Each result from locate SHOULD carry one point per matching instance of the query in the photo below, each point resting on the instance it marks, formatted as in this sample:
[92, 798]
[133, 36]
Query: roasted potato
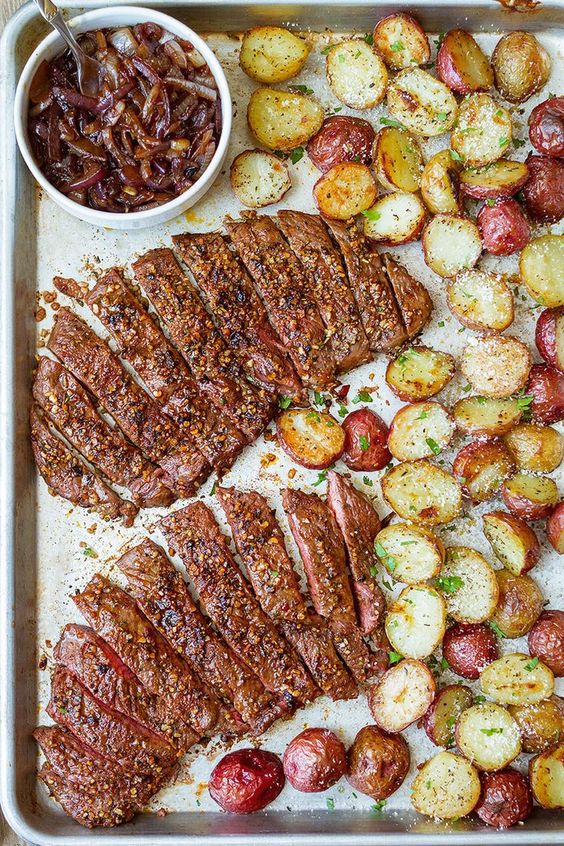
[462, 65]
[395, 218]
[543, 192]
[398, 160]
[521, 66]
[496, 366]
[546, 386]
[506, 798]
[422, 492]
[311, 438]
[272, 54]
[546, 640]
[259, 178]
[402, 696]
[345, 190]
[415, 621]
[486, 416]
[314, 760]
[341, 139]
[555, 528]
[546, 774]
[440, 184]
[530, 497]
[401, 41]
[411, 554]
[378, 762]
[497, 181]
[481, 300]
[512, 540]
[541, 724]
[481, 467]
[444, 711]
[418, 373]
[549, 336]
[421, 103]
[536, 448]
[503, 227]
[356, 74]
[517, 679]
[451, 243]
[469, 585]
[366, 441]
[246, 781]
[469, 648]
[546, 127]
[420, 431]
[540, 266]
[446, 787]
[519, 606]
[483, 131]
[488, 736]
[282, 120]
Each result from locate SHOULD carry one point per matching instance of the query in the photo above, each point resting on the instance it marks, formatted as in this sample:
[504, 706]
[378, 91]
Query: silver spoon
[90, 72]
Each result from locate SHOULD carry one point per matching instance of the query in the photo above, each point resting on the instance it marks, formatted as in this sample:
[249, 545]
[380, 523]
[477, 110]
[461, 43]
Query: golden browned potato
[481, 300]
[401, 41]
[483, 131]
[513, 541]
[378, 762]
[282, 120]
[421, 103]
[272, 54]
[521, 66]
[540, 266]
[519, 605]
[496, 365]
[356, 74]
[541, 723]
[546, 772]
[259, 178]
[419, 373]
[535, 448]
[446, 787]
[345, 190]
[398, 160]
[440, 184]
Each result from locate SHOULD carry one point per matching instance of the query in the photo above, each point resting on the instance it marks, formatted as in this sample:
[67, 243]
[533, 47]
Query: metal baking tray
[43, 539]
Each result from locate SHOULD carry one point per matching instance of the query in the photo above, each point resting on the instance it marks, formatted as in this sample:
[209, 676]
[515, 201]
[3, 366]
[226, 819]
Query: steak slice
[161, 367]
[212, 363]
[94, 364]
[288, 297]
[164, 598]
[372, 291]
[323, 553]
[103, 673]
[309, 239]
[413, 298]
[113, 614]
[69, 407]
[238, 312]
[226, 596]
[260, 544]
[359, 524]
[91, 789]
[115, 736]
[68, 476]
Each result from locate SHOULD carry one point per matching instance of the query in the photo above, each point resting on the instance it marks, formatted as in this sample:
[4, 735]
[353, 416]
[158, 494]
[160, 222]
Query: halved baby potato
[469, 585]
[421, 103]
[481, 467]
[481, 300]
[272, 54]
[402, 696]
[356, 74]
[517, 679]
[488, 736]
[539, 449]
[519, 606]
[462, 65]
[530, 497]
[485, 415]
[497, 181]
[395, 218]
[314, 439]
[411, 554]
[546, 773]
[401, 41]
[444, 711]
[415, 621]
[422, 492]
[345, 190]
[259, 178]
[446, 787]
[419, 372]
[512, 540]
[420, 431]
[440, 184]
[451, 243]
[540, 266]
[521, 66]
[398, 160]
[283, 120]
[496, 365]
[483, 131]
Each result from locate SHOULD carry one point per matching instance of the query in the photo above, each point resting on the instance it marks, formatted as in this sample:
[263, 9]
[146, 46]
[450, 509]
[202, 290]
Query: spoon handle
[53, 16]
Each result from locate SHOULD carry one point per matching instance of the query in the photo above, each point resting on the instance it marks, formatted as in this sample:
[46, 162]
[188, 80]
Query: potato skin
[541, 724]
[439, 731]
[546, 127]
[546, 640]
[521, 504]
[472, 458]
[314, 760]
[521, 66]
[246, 780]
[341, 139]
[555, 528]
[469, 647]
[519, 606]
[543, 191]
[449, 64]
[546, 384]
[506, 798]
[503, 227]
[366, 441]
[378, 762]
[539, 776]
[524, 531]
[545, 335]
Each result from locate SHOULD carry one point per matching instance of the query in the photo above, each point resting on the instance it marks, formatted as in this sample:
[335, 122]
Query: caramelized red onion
[147, 138]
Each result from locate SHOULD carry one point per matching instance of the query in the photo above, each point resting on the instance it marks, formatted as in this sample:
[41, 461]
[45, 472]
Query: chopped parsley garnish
[438, 41]
[387, 560]
[442, 116]
[296, 154]
[364, 443]
[341, 57]
[532, 664]
[490, 202]
[490, 731]
[396, 47]
[318, 398]
[441, 323]
[394, 657]
[372, 214]
[369, 38]
[456, 156]
[363, 396]
[423, 415]
[330, 804]
[214, 486]
[89, 552]
[503, 142]
[518, 142]
[467, 388]
[379, 806]
[326, 50]
[373, 571]
[433, 446]
[368, 482]
[343, 411]
[479, 698]
[496, 629]
[284, 402]
[524, 402]
[303, 89]
[321, 477]
[391, 122]
[449, 584]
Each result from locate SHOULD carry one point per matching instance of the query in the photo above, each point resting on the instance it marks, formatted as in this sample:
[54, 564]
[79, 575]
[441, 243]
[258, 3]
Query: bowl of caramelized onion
[152, 141]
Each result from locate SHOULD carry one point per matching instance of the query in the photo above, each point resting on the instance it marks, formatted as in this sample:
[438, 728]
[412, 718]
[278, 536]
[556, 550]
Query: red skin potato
[365, 424]
[546, 640]
[503, 227]
[521, 506]
[546, 127]
[545, 335]
[489, 192]
[506, 798]
[555, 528]
[378, 762]
[546, 384]
[543, 191]
[430, 722]
[341, 139]
[246, 781]
[447, 67]
[469, 648]
[470, 460]
[314, 760]
[522, 528]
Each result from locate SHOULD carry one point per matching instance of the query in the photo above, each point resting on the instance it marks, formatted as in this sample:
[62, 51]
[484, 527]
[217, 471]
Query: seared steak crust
[413, 298]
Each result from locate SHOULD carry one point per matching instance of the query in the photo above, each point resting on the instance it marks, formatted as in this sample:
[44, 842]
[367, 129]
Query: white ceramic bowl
[52, 46]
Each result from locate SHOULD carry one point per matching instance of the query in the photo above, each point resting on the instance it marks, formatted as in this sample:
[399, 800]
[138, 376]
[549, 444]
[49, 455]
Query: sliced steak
[161, 367]
[413, 298]
[109, 680]
[212, 363]
[94, 364]
[287, 295]
[238, 312]
[323, 553]
[113, 614]
[68, 476]
[163, 596]
[309, 239]
[372, 291]
[71, 410]
[113, 735]
[260, 543]
[359, 524]
[194, 535]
